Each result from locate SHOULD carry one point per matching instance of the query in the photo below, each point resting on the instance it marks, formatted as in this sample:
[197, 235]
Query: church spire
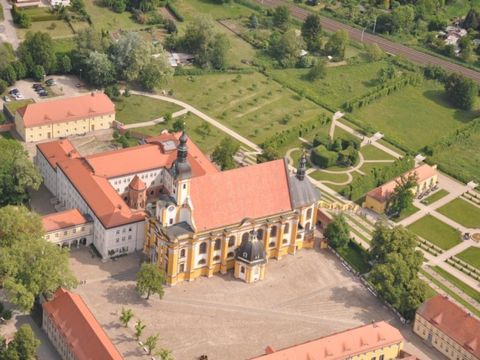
[182, 149]
[302, 167]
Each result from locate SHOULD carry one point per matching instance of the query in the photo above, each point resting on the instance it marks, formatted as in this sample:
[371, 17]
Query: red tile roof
[56, 151]
[64, 219]
[253, 191]
[66, 109]
[84, 335]
[383, 192]
[137, 184]
[453, 321]
[341, 345]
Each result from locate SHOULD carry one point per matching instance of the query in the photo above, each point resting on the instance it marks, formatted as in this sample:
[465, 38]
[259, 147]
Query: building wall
[67, 128]
[441, 342]
[57, 338]
[152, 179]
[373, 204]
[69, 235]
[60, 2]
[48, 173]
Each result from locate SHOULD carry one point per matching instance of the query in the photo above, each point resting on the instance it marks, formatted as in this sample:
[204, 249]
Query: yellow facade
[436, 338]
[190, 256]
[248, 273]
[375, 205]
[67, 128]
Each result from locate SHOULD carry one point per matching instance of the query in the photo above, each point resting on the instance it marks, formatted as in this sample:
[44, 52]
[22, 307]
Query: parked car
[18, 96]
[6, 98]
[50, 82]
[13, 91]
[36, 85]
[43, 93]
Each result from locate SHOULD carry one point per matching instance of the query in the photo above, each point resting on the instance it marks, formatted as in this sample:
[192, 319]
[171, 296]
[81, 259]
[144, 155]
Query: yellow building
[64, 117]
[377, 199]
[204, 223]
[379, 341]
[448, 328]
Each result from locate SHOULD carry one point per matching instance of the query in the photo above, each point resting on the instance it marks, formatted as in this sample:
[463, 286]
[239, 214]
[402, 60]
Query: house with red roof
[63, 117]
[74, 331]
[448, 328]
[68, 228]
[377, 199]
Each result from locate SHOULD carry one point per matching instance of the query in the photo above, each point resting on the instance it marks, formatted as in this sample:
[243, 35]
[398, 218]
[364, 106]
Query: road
[8, 32]
[387, 45]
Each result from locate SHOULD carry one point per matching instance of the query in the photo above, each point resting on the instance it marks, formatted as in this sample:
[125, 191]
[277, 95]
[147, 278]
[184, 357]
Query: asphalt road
[387, 45]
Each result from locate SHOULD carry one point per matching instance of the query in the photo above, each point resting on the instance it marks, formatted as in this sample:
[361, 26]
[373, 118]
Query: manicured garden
[470, 256]
[462, 212]
[437, 195]
[127, 109]
[356, 257]
[371, 152]
[474, 294]
[436, 232]
[323, 176]
[412, 209]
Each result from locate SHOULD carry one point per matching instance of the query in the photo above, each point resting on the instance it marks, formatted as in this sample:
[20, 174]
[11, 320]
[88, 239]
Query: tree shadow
[125, 295]
[440, 98]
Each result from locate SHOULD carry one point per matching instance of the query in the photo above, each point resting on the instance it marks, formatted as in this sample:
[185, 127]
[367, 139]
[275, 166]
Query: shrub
[323, 157]
[7, 314]
[174, 11]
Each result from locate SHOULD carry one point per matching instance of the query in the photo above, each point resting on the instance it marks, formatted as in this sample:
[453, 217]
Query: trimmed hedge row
[174, 11]
[198, 71]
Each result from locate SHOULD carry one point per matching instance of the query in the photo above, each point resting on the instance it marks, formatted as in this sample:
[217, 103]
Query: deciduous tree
[311, 32]
[337, 44]
[461, 92]
[402, 196]
[317, 71]
[125, 316]
[139, 327]
[150, 280]
[130, 54]
[281, 17]
[338, 232]
[224, 152]
[37, 49]
[156, 73]
[99, 70]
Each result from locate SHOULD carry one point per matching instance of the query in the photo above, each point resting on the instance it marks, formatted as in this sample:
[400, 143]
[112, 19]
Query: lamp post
[365, 28]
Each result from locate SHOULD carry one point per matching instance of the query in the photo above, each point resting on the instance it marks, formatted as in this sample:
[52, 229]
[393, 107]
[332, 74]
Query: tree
[396, 266]
[253, 21]
[467, 53]
[38, 73]
[317, 71]
[268, 154]
[461, 91]
[3, 86]
[374, 52]
[99, 70]
[336, 45]
[311, 32]
[126, 316]
[402, 18]
[18, 225]
[130, 54]
[9, 75]
[170, 26]
[224, 152]
[471, 20]
[281, 17]
[17, 173]
[20, 69]
[23, 20]
[151, 343]
[150, 280]
[139, 327]
[285, 48]
[219, 51]
[402, 196]
[22, 347]
[338, 232]
[156, 73]
[38, 49]
[178, 125]
[65, 65]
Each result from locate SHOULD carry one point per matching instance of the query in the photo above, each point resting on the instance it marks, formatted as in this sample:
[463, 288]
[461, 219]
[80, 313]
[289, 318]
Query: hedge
[174, 11]
[323, 158]
[250, 4]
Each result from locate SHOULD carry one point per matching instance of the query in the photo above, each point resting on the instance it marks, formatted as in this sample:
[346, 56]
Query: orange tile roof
[341, 345]
[253, 191]
[82, 332]
[56, 151]
[453, 321]
[383, 192]
[66, 109]
[137, 184]
[63, 219]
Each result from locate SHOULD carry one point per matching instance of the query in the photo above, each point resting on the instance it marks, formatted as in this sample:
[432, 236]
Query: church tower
[181, 171]
[137, 194]
[302, 168]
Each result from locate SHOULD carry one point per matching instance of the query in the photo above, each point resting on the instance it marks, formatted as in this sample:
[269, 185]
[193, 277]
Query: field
[338, 178]
[370, 152]
[462, 212]
[435, 196]
[427, 117]
[128, 109]
[191, 8]
[206, 141]
[435, 231]
[406, 213]
[471, 256]
[63, 45]
[56, 29]
[458, 283]
[251, 104]
[341, 83]
[105, 19]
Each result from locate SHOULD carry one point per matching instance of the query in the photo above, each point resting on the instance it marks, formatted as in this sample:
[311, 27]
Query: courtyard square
[303, 297]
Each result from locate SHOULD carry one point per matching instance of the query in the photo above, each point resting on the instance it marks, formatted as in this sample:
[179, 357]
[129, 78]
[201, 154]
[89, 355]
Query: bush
[323, 157]
[3, 86]
[174, 11]
[7, 314]
[38, 73]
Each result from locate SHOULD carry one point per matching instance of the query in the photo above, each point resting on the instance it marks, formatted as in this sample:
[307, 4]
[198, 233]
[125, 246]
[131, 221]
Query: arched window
[218, 244]
[271, 244]
[284, 241]
[242, 269]
[216, 258]
[260, 234]
[182, 253]
[309, 214]
[286, 229]
[307, 227]
[231, 241]
[273, 231]
[230, 254]
[245, 236]
[202, 262]
[203, 248]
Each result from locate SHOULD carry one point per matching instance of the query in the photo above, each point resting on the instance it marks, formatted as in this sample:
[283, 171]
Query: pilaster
[191, 260]
[223, 256]
[279, 239]
[210, 257]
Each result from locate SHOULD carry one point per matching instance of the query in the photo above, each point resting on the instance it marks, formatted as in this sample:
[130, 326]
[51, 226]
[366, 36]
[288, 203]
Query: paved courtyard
[303, 297]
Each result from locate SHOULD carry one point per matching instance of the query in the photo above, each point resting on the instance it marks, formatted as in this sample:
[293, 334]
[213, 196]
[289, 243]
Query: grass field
[341, 83]
[435, 196]
[205, 141]
[462, 212]
[370, 152]
[251, 104]
[435, 231]
[427, 117]
[137, 108]
[6, 135]
[470, 256]
[55, 28]
[319, 175]
[105, 19]
[355, 257]
[406, 213]
[63, 45]
[458, 283]
[191, 8]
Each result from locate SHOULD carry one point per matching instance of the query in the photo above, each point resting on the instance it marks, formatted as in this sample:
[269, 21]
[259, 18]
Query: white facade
[47, 171]
[57, 338]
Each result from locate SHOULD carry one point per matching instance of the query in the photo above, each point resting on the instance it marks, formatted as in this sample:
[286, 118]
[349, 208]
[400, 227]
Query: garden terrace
[436, 232]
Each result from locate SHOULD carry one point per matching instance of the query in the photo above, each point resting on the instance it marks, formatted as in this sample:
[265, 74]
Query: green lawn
[319, 175]
[250, 104]
[6, 135]
[191, 8]
[462, 212]
[356, 257]
[64, 45]
[427, 117]
[205, 141]
[341, 83]
[458, 283]
[435, 231]
[470, 256]
[370, 152]
[406, 213]
[137, 108]
[105, 19]
[391, 147]
[368, 167]
[437, 195]
[56, 29]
